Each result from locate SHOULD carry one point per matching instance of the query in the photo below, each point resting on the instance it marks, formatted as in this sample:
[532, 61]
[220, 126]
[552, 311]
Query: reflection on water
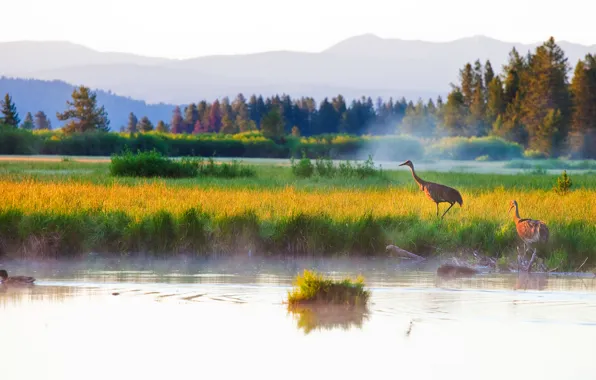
[230, 321]
[329, 317]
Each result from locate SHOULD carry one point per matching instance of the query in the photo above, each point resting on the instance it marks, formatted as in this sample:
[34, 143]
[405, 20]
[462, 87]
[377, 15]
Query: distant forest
[531, 101]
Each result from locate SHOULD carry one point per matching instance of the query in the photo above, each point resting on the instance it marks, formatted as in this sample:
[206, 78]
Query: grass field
[66, 208]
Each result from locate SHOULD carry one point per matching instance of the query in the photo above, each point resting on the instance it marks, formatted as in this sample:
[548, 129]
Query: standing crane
[530, 231]
[436, 192]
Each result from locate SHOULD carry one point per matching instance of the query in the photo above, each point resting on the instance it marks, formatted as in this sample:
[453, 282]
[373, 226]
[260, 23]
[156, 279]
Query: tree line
[531, 102]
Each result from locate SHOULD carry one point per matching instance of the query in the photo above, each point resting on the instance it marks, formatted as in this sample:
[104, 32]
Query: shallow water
[227, 320]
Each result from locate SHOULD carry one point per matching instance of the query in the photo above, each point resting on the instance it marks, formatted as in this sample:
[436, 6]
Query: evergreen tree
[546, 103]
[454, 113]
[489, 74]
[9, 110]
[83, 113]
[177, 123]
[162, 127]
[191, 116]
[227, 125]
[495, 105]
[215, 117]
[272, 124]
[145, 125]
[42, 121]
[583, 126]
[466, 77]
[132, 123]
[28, 122]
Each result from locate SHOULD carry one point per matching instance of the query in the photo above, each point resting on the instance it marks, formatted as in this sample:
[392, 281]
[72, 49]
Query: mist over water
[225, 318]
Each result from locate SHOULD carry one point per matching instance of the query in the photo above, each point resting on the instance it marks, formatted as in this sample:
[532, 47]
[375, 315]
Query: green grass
[280, 176]
[313, 288]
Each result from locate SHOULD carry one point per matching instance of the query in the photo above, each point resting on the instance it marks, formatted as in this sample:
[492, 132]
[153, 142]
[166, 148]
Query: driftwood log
[403, 253]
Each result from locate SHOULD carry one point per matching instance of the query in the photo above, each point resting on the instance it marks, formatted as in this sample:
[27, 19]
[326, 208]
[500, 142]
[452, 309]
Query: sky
[184, 29]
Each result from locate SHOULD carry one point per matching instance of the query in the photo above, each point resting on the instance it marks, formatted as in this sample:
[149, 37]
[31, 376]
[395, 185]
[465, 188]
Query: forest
[534, 102]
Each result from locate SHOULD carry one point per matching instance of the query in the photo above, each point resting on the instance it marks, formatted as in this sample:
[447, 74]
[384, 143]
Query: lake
[223, 319]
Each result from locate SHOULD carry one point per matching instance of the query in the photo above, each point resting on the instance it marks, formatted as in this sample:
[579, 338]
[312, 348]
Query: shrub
[151, 164]
[304, 168]
[224, 169]
[312, 288]
[563, 184]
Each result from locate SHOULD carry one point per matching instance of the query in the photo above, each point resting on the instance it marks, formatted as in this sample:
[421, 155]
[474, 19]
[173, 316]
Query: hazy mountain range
[363, 65]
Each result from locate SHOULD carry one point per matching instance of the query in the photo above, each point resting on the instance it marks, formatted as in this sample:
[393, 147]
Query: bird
[451, 270]
[530, 231]
[14, 280]
[436, 192]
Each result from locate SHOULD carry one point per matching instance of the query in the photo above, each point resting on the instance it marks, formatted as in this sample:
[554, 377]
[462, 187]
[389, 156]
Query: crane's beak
[510, 207]
[402, 164]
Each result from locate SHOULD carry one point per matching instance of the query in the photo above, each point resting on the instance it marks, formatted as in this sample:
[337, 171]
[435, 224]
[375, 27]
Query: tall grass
[313, 288]
[69, 218]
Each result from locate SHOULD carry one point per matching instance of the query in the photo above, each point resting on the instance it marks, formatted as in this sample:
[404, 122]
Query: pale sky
[185, 28]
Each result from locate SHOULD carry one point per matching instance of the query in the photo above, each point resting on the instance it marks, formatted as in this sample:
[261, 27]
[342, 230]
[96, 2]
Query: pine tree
[9, 110]
[177, 123]
[227, 125]
[162, 127]
[83, 113]
[489, 74]
[546, 104]
[475, 122]
[272, 124]
[454, 113]
[467, 84]
[495, 104]
[191, 116]
[42, 121]
[145, 125]
[28, 122]
[583, 124]
[132, 123]
[514, 70]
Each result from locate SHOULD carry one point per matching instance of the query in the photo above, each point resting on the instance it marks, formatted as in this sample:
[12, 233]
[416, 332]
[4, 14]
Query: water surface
[227, 320]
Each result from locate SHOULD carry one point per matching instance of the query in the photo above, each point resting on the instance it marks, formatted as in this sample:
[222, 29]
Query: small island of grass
[311, 288]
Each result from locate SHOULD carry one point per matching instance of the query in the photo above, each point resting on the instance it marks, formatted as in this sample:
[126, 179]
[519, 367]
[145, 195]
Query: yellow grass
[144, 199]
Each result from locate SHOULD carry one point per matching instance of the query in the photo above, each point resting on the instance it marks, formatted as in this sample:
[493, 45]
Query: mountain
[365, 65]
[51, 97]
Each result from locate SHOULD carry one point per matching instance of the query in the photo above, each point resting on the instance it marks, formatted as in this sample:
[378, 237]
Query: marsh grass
[312, 288]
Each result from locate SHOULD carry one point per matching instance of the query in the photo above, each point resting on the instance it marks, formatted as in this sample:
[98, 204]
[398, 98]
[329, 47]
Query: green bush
[304, 168]
[17, 141]
[151, 164]
[224, 169]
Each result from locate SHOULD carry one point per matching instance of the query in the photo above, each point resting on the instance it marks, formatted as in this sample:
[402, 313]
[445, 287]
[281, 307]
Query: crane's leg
[437, 203]
[447, 210]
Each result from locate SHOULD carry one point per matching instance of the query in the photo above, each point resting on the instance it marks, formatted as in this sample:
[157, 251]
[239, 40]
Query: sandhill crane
[436, 192]
[530, 231]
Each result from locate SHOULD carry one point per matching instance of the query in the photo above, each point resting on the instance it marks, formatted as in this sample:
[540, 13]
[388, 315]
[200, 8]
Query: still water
[227, 320]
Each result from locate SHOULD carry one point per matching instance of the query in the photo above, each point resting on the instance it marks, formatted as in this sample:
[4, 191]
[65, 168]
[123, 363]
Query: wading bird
[436, 192]
[530, 231]
[14, 280]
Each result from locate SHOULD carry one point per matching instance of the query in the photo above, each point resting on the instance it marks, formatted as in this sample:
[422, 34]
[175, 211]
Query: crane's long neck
[418, 180]
[516, 217]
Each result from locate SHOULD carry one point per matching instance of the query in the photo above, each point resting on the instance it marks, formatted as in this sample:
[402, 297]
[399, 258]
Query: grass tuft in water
[312, 288]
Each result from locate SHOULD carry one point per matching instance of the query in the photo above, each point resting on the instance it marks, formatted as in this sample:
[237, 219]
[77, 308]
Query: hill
[362, 65]
[51, 96]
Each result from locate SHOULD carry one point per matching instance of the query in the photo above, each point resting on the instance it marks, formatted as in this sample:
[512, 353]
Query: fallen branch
[580, 267]
[404, 253]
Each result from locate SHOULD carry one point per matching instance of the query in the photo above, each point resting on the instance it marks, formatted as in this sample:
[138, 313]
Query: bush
[224, 169]
[304, 168]
[18, 141]
[151, 164]
[461, 148]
